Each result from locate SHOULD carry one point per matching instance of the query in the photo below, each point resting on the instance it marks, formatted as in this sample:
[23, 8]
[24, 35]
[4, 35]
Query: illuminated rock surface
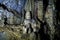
[14, 4]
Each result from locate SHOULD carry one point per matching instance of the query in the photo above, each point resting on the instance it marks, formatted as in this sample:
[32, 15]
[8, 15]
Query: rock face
[40, 10]
[39, 22]
[49, 19]
[10, 17]
[17, 4]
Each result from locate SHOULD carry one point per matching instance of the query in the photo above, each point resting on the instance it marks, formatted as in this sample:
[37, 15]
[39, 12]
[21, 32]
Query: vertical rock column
[49, 19]
[33, 8]
[40, 10]
[39, 13]
[28, 5]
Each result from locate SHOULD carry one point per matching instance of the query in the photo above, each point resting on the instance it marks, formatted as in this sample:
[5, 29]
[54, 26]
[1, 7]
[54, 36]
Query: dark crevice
[45, 5]
[43, 25]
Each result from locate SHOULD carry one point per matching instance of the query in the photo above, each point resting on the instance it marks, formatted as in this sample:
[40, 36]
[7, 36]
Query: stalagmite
[27, 21]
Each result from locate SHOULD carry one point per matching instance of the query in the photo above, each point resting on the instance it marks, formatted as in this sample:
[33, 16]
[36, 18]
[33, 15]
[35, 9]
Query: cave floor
[12, 33]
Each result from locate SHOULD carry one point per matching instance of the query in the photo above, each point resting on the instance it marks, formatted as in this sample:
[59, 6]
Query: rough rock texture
[14, 4]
